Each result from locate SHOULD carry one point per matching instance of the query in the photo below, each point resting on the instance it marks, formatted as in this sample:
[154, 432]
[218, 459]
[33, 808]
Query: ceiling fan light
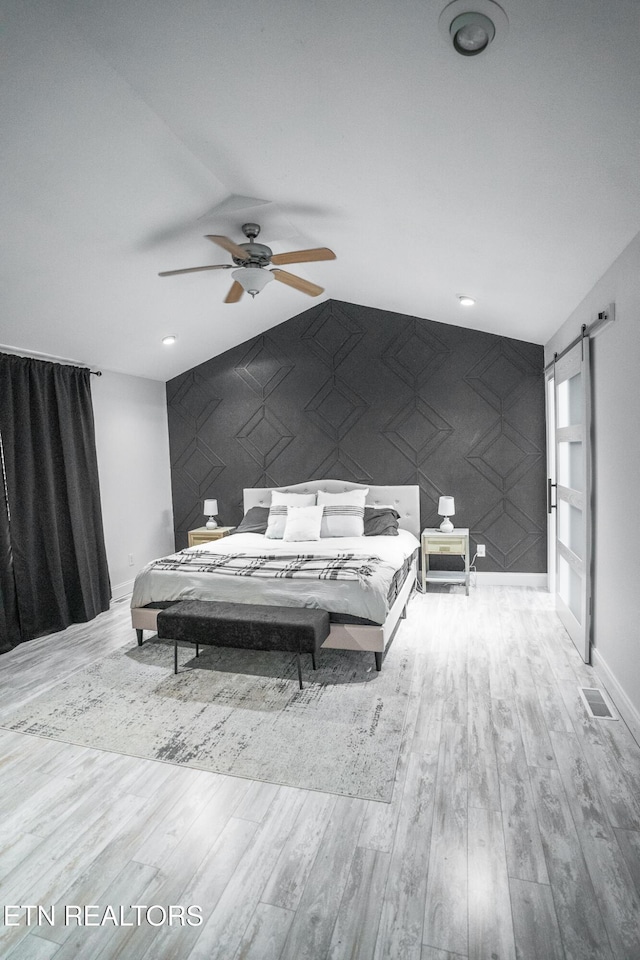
[252, 279]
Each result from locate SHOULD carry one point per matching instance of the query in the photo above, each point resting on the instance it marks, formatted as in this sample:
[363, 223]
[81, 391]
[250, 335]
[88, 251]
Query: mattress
[407, 569]
[368, 601]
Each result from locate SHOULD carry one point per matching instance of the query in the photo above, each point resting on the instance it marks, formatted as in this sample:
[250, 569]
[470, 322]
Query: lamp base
[446, 526]
[211, 524]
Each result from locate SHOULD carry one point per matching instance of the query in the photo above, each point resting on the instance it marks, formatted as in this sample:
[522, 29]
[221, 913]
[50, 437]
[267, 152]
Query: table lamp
[446, 509]
[211, 511]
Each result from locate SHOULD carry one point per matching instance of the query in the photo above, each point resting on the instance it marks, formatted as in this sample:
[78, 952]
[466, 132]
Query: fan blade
[304, 256]
[216, 266]
[229, 246]
[312, 289]
[235, 292]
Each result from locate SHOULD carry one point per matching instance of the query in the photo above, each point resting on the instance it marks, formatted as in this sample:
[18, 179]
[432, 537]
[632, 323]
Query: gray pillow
[381, 522]
[254, 521]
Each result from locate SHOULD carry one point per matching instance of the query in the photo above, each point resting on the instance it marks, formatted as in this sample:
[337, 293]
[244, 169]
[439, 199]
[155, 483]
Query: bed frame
[342, 636]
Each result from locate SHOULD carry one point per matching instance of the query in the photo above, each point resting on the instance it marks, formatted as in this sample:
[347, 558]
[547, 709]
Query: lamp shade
[252, 279]
[446, 506]
[210, 508]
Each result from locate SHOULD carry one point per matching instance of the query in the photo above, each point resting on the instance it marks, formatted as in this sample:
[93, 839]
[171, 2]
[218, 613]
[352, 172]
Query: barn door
[573, 494]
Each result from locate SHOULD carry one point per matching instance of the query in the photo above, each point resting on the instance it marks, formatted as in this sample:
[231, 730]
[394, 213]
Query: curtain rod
[36, 355]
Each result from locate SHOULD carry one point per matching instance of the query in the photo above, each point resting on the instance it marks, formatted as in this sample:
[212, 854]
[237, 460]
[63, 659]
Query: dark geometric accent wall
[354, 393]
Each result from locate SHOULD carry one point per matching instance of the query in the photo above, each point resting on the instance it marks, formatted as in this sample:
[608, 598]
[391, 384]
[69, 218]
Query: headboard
[405, 499]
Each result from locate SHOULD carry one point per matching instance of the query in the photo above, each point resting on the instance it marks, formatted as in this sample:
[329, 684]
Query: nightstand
[456, 543]
[204, 535]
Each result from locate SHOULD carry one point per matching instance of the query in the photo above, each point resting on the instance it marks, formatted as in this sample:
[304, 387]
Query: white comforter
[338, 596]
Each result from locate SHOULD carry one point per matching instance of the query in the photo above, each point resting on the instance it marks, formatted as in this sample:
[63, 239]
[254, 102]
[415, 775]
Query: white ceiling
[131, 128]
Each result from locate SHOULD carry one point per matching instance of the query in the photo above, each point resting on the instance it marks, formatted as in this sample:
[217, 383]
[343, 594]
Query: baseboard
[621, 701]
[498, 579]
[121, 590]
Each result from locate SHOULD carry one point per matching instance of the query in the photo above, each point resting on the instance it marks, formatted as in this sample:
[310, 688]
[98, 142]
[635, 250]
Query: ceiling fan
[252, 260]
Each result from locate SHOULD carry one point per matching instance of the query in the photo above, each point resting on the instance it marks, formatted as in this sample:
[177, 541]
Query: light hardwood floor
[513, 832]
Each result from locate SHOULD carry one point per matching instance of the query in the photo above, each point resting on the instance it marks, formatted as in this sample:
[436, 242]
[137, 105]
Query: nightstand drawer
[457, 545]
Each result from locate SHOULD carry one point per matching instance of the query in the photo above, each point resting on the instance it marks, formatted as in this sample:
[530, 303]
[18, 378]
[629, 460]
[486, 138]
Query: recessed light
[466, 301]
[472, 26]
[168, 340]
[471, 33]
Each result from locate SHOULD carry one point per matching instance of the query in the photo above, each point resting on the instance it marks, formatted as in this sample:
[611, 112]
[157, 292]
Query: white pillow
[343, 513]
[303, 523]
[278, 510]
[347, 496]
[292, 499]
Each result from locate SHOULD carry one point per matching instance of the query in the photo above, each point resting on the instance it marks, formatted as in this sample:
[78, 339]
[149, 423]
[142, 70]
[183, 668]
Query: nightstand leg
[467, 576]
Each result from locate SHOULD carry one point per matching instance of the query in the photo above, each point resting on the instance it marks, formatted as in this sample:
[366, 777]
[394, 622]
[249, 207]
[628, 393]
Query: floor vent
[596, 703]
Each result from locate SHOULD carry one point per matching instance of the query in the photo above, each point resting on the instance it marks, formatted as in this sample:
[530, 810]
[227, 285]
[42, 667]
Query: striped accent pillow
[342, 520]
[341, 523]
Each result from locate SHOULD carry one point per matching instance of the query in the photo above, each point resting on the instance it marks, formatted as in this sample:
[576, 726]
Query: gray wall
[616, 469]
[354, 393]
[132, 446]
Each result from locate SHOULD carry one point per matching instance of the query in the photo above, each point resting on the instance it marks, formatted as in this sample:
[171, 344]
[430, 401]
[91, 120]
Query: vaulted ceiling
[132, 128]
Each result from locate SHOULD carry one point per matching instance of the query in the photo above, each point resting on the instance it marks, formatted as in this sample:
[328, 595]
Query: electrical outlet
[130, 559]
[481, 550]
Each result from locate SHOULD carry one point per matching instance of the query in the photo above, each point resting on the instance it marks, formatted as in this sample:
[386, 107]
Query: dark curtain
[9, 623]
[55, 555]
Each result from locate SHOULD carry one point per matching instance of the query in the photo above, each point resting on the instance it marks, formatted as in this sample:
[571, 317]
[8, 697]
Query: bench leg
[378, 657]
[299, 669]
[139, 636]
[313, 661]
[175, 656]
[197, 649]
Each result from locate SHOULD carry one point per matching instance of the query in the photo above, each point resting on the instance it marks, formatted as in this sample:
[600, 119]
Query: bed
[364, 613]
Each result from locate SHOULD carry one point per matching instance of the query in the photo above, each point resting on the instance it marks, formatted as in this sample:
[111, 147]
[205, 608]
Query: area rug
[240, 712]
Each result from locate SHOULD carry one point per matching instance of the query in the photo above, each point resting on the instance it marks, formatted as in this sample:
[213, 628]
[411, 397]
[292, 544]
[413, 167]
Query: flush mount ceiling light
[168, 340]
[466, 301]
[471, 26]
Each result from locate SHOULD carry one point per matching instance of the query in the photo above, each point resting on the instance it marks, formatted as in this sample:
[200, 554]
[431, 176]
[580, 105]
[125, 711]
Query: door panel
[573, 494]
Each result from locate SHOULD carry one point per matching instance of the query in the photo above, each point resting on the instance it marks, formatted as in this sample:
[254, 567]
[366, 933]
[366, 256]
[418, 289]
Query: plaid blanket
[343, 566]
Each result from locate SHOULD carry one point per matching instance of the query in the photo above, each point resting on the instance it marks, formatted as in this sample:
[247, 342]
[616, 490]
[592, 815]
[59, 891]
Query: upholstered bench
[251, 626]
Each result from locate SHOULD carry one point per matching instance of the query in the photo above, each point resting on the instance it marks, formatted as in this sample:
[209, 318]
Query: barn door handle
[550, 506]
